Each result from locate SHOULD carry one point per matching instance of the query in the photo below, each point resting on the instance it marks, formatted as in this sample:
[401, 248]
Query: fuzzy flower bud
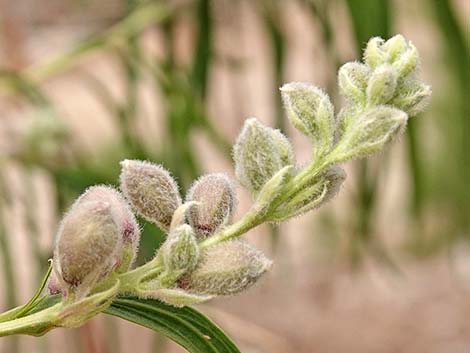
[370, 132]
[258, 153]
[321, 190]
[124, 218]
[374, 55]
[382, 84]
[310, 110]
[407, 62]
[396, 51]
[151, 190]
[226, 268]
[215, 197]
[87, 244]
[352, 80]
[180, 251]
[412, 97]
[53, 284]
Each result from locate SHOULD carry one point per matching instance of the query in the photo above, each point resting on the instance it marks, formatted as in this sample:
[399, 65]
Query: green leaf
[186, 326]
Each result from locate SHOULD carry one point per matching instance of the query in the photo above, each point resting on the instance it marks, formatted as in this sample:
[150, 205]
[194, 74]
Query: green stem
[35, 324]
[251, 219]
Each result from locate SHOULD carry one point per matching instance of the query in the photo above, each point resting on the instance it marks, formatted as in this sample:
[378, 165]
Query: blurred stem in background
[457, 174]
[370, 18]
[271, 13]
[7, 262]
[320, 11]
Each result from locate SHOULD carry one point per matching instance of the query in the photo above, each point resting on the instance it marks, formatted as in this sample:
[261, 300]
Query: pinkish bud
[151, 191]
[87, 244]
[124, 218]
[53, 284]
[215, 197]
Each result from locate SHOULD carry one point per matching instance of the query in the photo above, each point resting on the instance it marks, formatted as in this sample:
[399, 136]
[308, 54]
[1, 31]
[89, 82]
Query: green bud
[180, 251]
[382, 84]
[284, 147]
[226, 268]
[374, 55]
[370, 132]
[407, 62]
[398, 52]
[258, 155]
[309, 109]
[322, 189]
[151, 190]
[352, 79]
[87, 245]
[394, 47]
[215, 197]
[272, 189]
[412, 97]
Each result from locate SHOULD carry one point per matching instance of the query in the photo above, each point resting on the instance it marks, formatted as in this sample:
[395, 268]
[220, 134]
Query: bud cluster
[381, 94]
[98, 238]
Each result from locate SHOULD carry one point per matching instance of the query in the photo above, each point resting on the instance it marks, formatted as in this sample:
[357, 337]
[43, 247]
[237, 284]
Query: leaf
[186, 326]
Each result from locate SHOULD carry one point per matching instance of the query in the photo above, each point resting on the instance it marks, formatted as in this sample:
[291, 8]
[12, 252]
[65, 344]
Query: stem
[251, 219]
[36, 324]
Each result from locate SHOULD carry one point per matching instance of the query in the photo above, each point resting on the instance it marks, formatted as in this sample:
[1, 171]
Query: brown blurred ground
[312, 301]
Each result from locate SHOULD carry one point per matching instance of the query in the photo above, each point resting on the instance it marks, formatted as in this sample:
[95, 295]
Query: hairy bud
[322, 189]
[87, 244]
[352, 79]
[382, 84]
[180, 251]
[309, 109]
[374, 55]
[412, 97]
[53, 285]
[124, 218]
[398, 52]
[226, 268]
[151, 190]
[407, 62]
[284, 148]
[215, 197]
[258, 155]
[370, 132]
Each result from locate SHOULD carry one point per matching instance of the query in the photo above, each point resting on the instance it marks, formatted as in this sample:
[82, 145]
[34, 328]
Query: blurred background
[383, 268]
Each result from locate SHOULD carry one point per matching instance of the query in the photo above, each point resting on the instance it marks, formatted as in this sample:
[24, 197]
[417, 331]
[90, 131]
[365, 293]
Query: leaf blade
[186, 326]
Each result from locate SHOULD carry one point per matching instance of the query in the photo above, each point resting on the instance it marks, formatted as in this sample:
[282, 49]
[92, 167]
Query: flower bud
[352, 79]
[124, 218]
[309, 109]
[226, 268]
[370, 132]
[258, 155]
[180, 251]
[374, 55]
[151, 190]
[215, 197]
[382, 84]
[394, 47]
[53, 285]
[284, 147]
[321, 190]
[407, 62]
[412, 97]
[87, 244]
